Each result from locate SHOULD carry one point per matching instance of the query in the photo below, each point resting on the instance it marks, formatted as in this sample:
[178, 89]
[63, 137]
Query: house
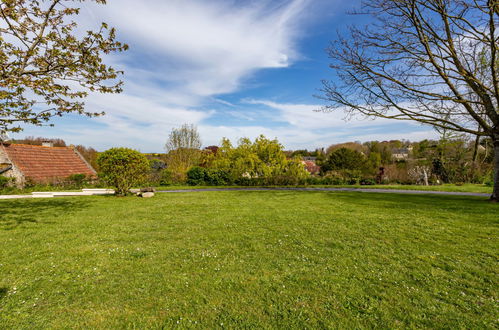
[311, 166]
[41, 164]
[401, 153]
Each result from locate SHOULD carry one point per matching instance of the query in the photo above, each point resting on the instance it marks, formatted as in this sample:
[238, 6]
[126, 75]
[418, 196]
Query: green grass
[279, 259]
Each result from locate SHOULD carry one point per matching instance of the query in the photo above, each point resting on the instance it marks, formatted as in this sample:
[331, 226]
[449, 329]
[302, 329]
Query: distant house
[41, 164]
[311, 166]
[401, 153]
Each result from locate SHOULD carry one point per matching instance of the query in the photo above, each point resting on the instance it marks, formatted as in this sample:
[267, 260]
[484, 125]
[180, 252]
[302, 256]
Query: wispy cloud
[205, 47]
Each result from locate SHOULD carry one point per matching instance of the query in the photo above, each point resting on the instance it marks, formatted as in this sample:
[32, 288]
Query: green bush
[122, 168]
[367, 182]
[166, 178]
[4, 181]
[196, 176]
[77, 180]
[334, 178]
[344, 159]
[216, 177]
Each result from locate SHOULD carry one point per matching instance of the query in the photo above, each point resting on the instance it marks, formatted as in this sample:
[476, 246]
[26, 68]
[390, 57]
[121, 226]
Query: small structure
[41, 164]
[401, 153]
[311, 166]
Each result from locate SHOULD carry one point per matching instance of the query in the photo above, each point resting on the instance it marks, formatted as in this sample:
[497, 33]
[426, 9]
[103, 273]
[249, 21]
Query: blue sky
[233, 68]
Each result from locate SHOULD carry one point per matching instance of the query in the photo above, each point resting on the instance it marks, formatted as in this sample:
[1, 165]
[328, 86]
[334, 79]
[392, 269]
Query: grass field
[273, 259]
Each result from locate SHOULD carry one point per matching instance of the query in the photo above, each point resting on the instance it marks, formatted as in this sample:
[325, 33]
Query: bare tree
[183, 150]
[431, 61]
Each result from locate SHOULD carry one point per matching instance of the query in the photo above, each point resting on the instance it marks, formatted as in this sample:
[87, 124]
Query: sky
[233, 68]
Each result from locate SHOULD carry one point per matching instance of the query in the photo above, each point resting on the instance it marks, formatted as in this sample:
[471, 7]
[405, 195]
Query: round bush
[122, 168]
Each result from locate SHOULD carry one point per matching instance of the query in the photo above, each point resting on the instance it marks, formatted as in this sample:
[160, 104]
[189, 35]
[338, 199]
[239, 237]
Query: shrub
[123, 168]
[4, 181]
[77, 179]
[334, 178]
[196, 176]
[166, 178]
[344, 159]
[367, 182]
[216, 177]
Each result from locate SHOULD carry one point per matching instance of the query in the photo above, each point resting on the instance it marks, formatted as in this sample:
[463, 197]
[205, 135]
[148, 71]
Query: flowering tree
[46, 70]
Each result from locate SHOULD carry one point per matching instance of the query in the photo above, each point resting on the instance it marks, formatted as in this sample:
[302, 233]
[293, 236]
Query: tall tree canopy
[432, 61]
[46, 68]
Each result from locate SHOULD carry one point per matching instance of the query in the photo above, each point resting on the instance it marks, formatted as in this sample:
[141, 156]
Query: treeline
[451, 159]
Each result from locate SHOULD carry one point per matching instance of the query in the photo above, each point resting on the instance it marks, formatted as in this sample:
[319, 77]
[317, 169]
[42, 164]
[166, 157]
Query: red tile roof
[311, 167]
[46, 164]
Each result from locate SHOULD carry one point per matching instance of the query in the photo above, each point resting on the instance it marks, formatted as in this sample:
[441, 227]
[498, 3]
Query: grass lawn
[253, 259]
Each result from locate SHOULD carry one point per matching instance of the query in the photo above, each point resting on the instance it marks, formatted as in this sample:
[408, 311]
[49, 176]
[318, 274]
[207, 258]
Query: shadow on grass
[3, 293]
[17, 212]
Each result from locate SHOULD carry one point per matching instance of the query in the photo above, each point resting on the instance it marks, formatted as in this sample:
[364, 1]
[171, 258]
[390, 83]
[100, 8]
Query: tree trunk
[495, 193]
[475, 148]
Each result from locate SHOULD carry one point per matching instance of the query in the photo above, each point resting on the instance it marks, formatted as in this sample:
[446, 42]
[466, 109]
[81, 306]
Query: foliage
[122, 168]
[344, 159]
[5, 181]
[89, 154]
[77, 180]
[262, 160]
[196, 176]
[48, 66]
[166, 178]
[38, 141]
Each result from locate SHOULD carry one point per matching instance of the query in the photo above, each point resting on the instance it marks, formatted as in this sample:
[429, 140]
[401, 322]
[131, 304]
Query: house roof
[311, 166]
[44, 164]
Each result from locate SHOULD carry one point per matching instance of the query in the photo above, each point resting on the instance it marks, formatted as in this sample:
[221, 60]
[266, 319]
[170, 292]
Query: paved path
[370, 190]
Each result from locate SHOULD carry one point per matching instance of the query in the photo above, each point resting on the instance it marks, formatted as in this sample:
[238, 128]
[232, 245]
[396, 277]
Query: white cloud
[205, 47]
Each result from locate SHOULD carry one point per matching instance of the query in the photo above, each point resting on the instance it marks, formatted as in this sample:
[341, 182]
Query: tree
[183, 148]
[38, 141]
[435, 62]
[123, 168]
[46, 70]
[263, 160]
[345, 159]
